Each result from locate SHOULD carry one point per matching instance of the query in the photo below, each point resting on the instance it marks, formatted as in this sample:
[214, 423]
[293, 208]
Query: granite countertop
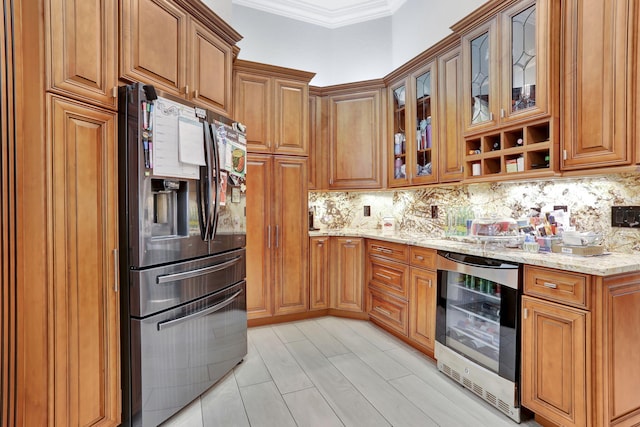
[608, 264]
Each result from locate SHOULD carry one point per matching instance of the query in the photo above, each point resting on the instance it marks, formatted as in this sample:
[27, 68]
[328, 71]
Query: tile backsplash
[588, 199]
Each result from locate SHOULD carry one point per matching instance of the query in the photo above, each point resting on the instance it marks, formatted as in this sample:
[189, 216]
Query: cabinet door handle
[114, 92]
[550, 285]
[383, 276]
[277, 236]
[383, 311]
[116, 275]
[269, 236]
[195, 93]
[491, 116]
[429, 282]
[384, 250]
[348, 241]
[186, 90]
[419, 258]
[502, 114]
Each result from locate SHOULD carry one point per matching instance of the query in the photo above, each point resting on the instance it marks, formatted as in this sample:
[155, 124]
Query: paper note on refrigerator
[166, 140]
[191, 142]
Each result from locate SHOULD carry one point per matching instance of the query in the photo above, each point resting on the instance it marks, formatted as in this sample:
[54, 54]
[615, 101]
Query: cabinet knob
[114, 92]
[195, 93]
[419, 258]
[429, 282]
[186, 90]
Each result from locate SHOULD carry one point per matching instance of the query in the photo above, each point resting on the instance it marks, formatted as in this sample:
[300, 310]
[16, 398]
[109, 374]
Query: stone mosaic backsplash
[588, 199]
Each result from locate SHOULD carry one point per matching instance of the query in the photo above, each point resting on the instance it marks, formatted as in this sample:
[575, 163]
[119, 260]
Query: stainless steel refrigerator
[182, 243]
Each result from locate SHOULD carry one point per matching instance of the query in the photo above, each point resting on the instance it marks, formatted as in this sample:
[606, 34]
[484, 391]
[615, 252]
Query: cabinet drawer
[395, 251]
[423, 257]
[389, 276]
[556, 285]
[388, 310]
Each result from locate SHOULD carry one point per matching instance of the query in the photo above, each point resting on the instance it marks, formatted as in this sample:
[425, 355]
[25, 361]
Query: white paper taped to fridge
[166, 137]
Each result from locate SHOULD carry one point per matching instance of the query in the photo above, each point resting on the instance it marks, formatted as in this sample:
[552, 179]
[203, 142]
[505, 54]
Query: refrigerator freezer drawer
[180, 353]
[156, 289]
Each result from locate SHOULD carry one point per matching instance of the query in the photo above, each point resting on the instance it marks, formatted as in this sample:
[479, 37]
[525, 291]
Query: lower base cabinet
[347, 274]
[581, 347]
[422, 307]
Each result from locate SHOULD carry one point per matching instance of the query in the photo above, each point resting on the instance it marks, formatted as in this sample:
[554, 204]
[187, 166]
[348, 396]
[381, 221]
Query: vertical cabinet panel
[291, 242]
[319, 273]
[252, 107]
[422, 307]
[211, 65]
[449, 123]
[554, 361]
[82, 49]
[85, 309]
[291, 119]
[153, 36]
[347, 279]
[259, 241]
[599, 66]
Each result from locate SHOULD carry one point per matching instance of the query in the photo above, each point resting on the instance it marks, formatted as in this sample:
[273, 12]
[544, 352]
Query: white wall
[419, 24]
[222, 8]
[352, 53]
[347, 54]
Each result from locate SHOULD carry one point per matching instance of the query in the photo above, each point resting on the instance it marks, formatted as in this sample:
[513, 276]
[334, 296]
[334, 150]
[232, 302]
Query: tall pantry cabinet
[273, 102]
[67, 53]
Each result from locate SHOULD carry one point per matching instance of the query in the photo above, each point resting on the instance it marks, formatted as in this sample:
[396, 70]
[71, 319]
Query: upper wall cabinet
[356, 127]
[81, 49]
[424, 141]
[274, 103]
[510, 56]
[413, 108]
[181, 47]
[599, 63]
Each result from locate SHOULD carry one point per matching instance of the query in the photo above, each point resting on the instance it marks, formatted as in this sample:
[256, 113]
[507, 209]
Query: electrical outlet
[434, 211]
[625, 216]
[367, 210]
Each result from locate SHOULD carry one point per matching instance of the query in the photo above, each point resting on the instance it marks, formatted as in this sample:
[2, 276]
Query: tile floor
[336, 372]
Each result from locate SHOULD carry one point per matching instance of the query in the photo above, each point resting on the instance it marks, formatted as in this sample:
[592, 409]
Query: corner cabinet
[579, 333]
[600, 68]
[347, 274]
[84, 302]
[355, 157]
[511, 94]
[274, 104]
[82, 50]
[181, 47]
[277, 243]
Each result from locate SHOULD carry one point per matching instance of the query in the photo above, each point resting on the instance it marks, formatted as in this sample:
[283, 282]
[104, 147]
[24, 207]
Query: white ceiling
[327, 13]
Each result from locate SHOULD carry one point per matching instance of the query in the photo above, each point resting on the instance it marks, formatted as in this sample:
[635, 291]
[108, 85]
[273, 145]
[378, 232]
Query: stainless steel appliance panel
[180, 353]
[160, 288]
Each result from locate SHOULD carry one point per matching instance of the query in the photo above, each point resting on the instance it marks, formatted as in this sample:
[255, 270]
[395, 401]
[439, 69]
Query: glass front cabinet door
[508, 66]
[413, 145]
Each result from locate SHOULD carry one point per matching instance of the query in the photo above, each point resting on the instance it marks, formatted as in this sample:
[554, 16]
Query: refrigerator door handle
[205, 191]
[216, 180]
[212, 309]
[195, 273]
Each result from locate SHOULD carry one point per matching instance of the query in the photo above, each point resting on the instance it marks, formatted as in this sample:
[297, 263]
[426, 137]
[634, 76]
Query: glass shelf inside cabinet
[399, 133]
[424, 136]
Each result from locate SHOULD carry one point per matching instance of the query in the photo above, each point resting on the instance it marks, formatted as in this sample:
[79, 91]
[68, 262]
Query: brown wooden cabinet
[422, 297]
[179, 46]
[554, 366]
[274, 104]
[84, 302]
[355, 128]
[511, 63]
[449, 124]
[599, 71]
[319, 268]
[347, 273]
[277, 270]
[580, 338]
[82, 50]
